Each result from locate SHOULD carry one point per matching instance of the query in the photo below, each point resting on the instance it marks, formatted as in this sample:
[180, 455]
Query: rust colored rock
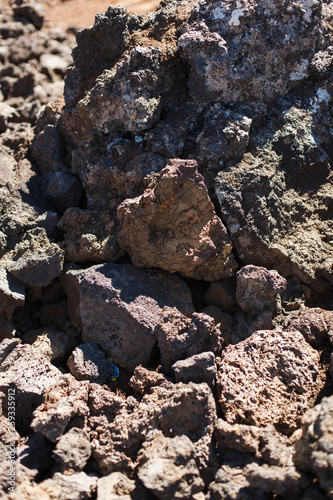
[312, 325]
[119, 307]
[180, 337]
[143, 380]
[173, 226]
[273, 377]
[257, 288]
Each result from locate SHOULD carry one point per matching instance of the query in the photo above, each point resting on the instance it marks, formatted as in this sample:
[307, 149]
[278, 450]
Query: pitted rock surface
[174, 226]
[273, 377]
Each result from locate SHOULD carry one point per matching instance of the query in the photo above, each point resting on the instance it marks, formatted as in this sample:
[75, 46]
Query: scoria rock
[256, 377]
[12, 294]
[312, 325]
[143, 379]
[314, 451]
[29, 374]
[120, 306]
[72, 451]
[197, 368]
[173, 226]
[167, 467]
[62, 401]
[121, 426]
[180, 337]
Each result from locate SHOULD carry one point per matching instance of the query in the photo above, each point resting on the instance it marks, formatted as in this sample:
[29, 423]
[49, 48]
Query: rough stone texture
[312, 325]
[120, 306]
[115, 486]
[222, 59]
[12, 294]
[274, 202]
[24, 369]
[314, 451]
[122, 425]
[167, 467]
[256, 482]
[197, 368]
[89, 235]
[35, 453]
[257, 288]
[173, 226]
[35, 261]
[143, 379]
[180, 337]
[61, 402]
[265, 443]
[72, 451]
[273, 377]
[88, 362]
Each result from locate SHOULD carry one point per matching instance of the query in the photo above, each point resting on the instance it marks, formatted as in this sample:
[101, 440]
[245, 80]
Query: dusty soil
[81, 13]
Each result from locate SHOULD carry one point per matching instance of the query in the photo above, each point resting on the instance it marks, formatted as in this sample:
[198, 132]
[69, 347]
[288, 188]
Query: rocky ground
[166, 253]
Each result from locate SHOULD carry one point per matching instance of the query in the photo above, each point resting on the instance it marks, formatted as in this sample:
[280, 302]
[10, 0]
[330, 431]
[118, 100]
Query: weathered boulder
[88, 362]
[197, 368]
[35, 261]
[119, 307]
[314, 451]
[232, 68]
[29, 374]
[275, 204]
[272, 377]
[167, 467]
[174, 226]
[72, 451]
[89, 236]
[180, 337]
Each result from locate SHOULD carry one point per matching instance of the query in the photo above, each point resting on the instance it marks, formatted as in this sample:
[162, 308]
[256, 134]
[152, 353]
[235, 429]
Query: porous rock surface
[195, 140]
[273, 377]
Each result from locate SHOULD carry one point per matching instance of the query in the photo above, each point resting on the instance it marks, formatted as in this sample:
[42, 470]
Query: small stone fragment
[197, 368]
[61, 190]
[88, 362]
[143, 379]
[115, 486]
[54, 344]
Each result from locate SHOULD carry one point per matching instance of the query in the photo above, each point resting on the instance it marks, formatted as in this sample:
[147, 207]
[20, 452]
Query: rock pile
[166, 253]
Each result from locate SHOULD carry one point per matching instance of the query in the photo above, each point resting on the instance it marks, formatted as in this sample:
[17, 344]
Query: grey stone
[88, 362]
[197, 368]
[12, 294]
[61, 189]
[72, 451]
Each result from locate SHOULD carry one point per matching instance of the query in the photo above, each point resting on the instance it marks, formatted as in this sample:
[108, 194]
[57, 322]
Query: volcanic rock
[273, 377]
[88, 362]
[197, 368]
[173, 226]
[119, 307]
[12, 294]
[72, 451]
[180, 337]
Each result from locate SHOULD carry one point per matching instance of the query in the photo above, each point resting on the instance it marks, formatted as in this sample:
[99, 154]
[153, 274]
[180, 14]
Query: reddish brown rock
[272, 377]
[173, 226]
[315, 325]
[257, 288]
[119, 307]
